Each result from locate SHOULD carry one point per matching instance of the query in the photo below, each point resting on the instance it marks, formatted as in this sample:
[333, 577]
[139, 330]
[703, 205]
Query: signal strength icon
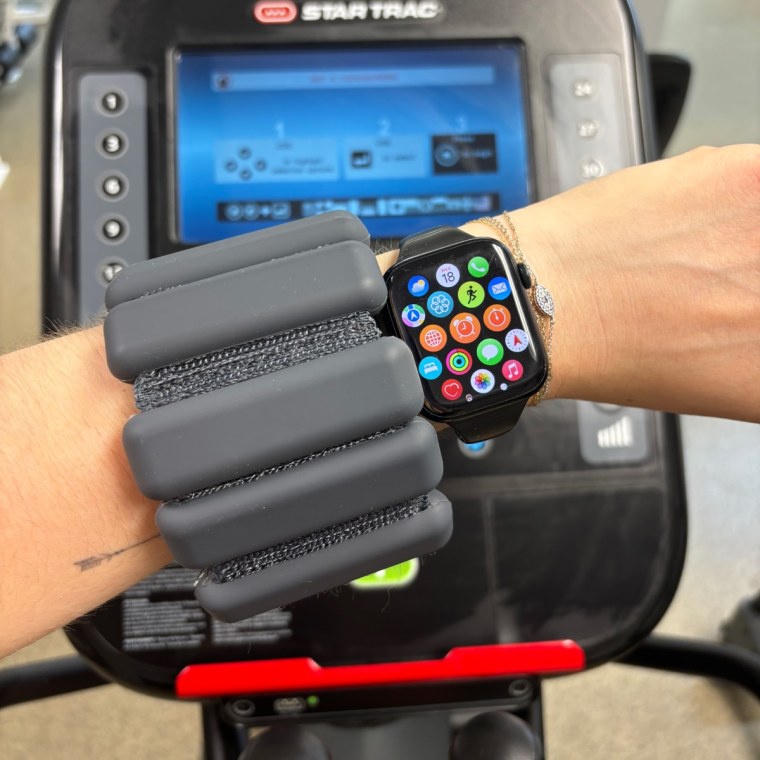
[619, 435]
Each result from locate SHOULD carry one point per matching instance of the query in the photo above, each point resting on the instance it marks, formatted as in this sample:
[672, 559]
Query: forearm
[655, 273]
[74, 530]
[658, 305]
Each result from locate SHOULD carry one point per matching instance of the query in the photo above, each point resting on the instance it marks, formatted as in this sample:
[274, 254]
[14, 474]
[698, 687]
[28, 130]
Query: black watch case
[464, 311]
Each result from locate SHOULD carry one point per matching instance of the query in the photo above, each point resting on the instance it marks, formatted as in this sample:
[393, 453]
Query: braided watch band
[540, 298]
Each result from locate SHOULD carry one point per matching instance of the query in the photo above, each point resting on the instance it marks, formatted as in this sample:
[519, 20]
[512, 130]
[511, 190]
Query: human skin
[655, 273]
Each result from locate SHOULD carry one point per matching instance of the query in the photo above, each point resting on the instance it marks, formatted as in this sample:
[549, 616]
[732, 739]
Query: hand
[655, 273]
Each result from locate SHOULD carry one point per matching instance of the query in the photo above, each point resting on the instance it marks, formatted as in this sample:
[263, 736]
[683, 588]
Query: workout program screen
[404, 137]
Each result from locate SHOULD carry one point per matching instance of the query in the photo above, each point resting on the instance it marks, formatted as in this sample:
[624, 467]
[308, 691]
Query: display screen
[468, 327]
[404, 137]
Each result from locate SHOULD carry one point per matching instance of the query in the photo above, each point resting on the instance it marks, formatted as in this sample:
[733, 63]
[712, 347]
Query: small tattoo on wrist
[88, 563]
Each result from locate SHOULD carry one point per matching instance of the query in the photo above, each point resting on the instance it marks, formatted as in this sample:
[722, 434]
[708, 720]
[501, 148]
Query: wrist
[547, 257]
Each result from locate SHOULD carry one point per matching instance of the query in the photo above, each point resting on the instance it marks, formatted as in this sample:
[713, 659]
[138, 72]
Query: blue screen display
[405, 137]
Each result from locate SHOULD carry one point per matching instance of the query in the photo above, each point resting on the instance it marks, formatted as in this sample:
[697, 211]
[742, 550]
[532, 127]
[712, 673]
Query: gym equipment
[177, 123]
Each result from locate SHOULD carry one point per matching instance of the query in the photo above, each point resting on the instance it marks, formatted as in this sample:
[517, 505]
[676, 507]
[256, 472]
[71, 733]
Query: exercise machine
[174, 123]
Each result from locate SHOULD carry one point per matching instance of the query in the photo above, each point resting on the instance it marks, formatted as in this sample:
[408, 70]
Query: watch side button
[525, 277]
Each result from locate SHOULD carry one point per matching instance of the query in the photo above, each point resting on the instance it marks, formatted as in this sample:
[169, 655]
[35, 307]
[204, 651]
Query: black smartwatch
[462, 305]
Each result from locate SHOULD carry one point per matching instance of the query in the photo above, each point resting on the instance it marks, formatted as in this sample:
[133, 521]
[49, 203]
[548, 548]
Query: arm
[656, 275]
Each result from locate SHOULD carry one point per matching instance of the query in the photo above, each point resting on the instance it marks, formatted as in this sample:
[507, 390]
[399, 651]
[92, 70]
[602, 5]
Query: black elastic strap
[442, 237]
[496, 422]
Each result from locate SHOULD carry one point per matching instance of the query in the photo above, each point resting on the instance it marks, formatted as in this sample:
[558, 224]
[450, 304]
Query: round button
[583, 88]
[490, 351]
[114, 229]
[497, 317]
[433, 338]
[587, 128]
[459, 361]
[113, 144]
[471, 294]
[465, 327]
[451, 389]
[482, 381]
[516, 340]
[112, 103]
[110, 269]
[430, 368]
[591, 169]
[114, 187]
[446, 155]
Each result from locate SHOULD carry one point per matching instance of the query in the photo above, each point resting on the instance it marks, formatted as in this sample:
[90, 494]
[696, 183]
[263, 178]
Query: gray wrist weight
[277, 424]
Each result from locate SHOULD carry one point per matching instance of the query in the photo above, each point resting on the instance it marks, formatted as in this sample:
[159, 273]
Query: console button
[114, 186]
[112, 103]
[584, 88]
[591, 169]
[114, 230]
[110, 269]
[113, 144]
[587, 128]
[289, 705]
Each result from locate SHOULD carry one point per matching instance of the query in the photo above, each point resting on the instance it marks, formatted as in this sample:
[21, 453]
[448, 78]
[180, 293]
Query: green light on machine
[396, 576]
[312, 701]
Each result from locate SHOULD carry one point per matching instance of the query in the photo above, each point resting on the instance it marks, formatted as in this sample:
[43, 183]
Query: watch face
[465, 315]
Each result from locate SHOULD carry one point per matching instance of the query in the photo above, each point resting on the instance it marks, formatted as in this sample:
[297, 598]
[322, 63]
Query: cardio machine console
[176, 123]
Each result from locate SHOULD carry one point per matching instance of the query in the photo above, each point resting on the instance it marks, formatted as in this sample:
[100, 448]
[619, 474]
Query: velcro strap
[228, 309]
[199, 442]
[332, 487]
[386, 540]
[235, 253]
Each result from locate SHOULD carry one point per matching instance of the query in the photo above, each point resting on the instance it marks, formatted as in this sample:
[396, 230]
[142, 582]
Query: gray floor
[613, 712]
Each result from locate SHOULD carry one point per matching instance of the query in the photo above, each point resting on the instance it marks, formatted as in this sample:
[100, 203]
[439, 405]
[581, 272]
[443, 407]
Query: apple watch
[461, 304]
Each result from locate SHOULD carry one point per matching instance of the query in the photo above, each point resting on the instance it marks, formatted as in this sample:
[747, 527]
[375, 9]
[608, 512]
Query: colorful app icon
[490, 351]
[451, 389]
[447, 275]
[433, 338]
[512, 370]
[471, 294]
[418, 286]
[482, 381]
[499, 288]
[497, 317]
[430, 368]
[465, 327]
[440, 304]
[516, 340]
[459, 361]
[478, 266]
[413, 315]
